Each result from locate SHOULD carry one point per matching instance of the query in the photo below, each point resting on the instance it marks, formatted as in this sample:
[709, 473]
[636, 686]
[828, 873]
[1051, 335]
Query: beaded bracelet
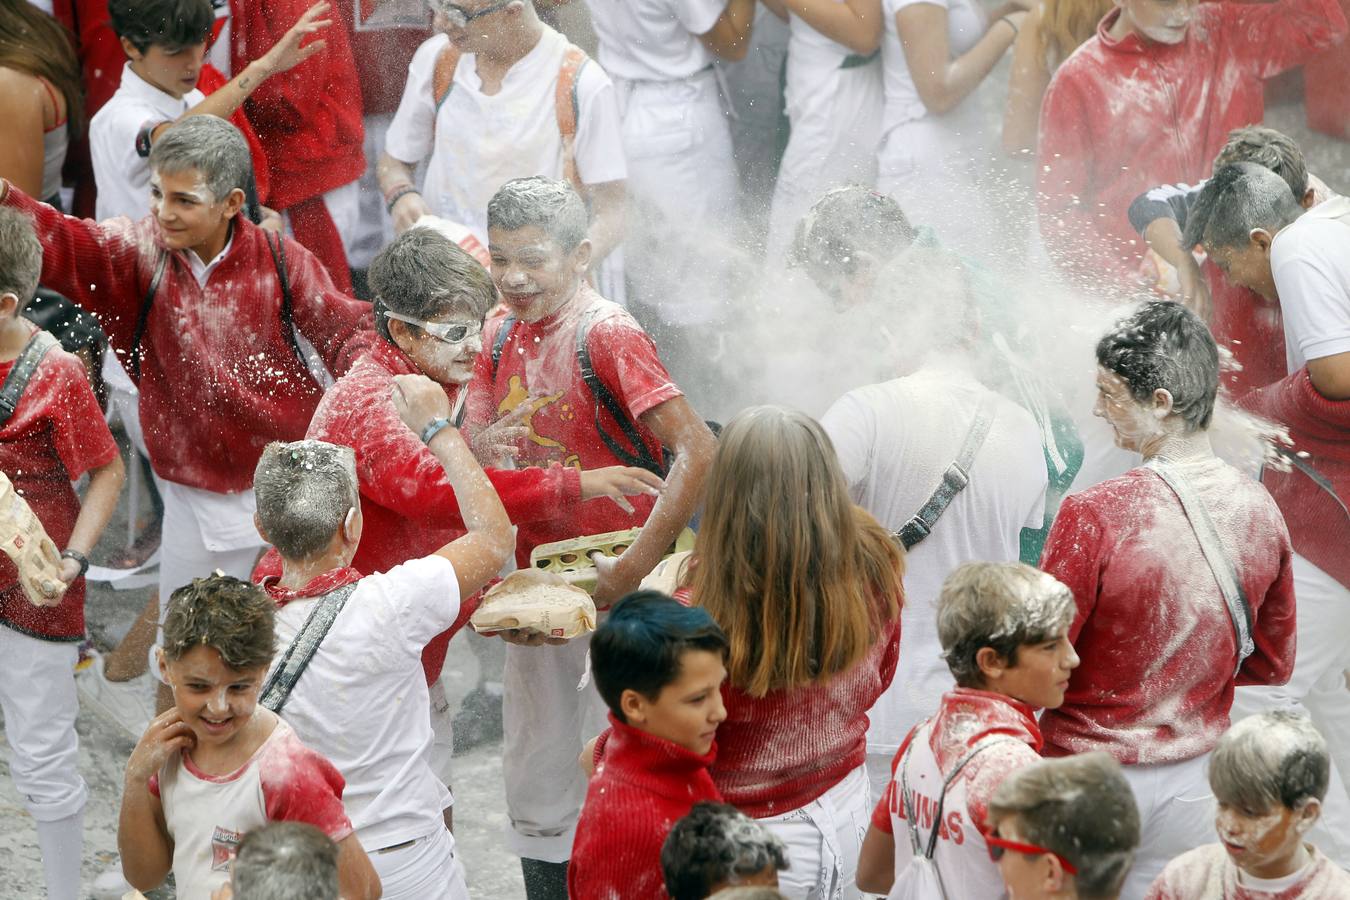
[398, 195]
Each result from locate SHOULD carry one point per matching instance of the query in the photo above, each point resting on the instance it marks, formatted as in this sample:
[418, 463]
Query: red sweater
[219, 379]
[779, 752]
[1153, 630]
[1319, 427]
[307, 118]
[1123, 115]
[642, 786]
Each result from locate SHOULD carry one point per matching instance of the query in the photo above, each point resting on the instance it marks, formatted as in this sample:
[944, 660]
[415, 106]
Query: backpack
[565, 101]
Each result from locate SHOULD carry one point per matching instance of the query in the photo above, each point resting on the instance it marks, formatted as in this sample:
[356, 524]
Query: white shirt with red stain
[966, 719]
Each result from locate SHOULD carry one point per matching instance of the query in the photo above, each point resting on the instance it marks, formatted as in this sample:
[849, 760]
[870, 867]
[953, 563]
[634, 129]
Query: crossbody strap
[499, 342]
[640, 456]
[278, 251]
[954, 480]
[284, 677]
[1225, 572]
[143, 317]
[1307, 468]
[24, 366]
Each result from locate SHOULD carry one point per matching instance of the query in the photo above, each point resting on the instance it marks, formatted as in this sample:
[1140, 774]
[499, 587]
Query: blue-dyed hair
[638, 648]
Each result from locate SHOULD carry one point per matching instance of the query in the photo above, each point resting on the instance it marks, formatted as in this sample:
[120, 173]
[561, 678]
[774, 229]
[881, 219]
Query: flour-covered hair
[1237, 200]
[548, 203]
[425, 275]
[20, 255]
[210, 145]
[1271, 760]
[1080, 808]
[1267, 147]
[846, 221]
[304, 491]
[286, 861]
[1164, 345]
[999, 605]
[716, 844]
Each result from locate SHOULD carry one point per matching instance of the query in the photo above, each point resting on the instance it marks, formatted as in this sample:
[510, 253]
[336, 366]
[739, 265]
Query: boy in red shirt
[537, 239]
[659, 666]
[52, 434]
[1150, 100]
[1181, 569]
[1004, 633]
[227, 349]
[215, 766]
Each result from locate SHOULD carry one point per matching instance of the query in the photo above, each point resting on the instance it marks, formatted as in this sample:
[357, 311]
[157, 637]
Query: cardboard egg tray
[571, 559]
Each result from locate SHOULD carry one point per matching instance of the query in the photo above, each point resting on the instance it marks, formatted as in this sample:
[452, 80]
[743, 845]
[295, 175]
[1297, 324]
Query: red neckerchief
[317, 587]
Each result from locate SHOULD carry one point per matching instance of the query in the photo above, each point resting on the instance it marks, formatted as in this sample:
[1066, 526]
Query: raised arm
[1274, 37]
[854, 23]
[729, 38]
[943, 82]
[480, 554]
[608, 214]
[1027, 81]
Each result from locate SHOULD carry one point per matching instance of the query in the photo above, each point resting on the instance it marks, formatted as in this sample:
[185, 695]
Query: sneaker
[126, 704]
[111, 886]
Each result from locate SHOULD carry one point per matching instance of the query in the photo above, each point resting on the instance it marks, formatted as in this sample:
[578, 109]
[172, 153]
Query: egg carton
[571, 559]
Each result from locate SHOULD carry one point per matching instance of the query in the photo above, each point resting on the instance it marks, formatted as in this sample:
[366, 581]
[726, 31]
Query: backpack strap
[143, 317]
[24, 366]
[954, 480]
[1307, 468]
[443, 74]
[568, 110]
[278, 251]
[499, 342]
[641, 455]
[1220, 563]
[284, 677]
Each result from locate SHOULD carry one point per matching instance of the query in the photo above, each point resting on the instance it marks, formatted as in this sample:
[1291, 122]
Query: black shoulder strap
[641, 455]
[278, 251]
[499, 342]
[284, 677]
[954, 480]
[24, 366]
[143, 317]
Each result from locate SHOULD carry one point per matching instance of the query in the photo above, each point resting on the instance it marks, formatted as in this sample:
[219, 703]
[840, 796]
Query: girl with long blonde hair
[807, 587]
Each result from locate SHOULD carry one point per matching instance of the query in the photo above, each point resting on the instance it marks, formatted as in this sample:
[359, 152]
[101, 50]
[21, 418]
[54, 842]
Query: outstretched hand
[620, 482]
[288, 53]
[419, 401]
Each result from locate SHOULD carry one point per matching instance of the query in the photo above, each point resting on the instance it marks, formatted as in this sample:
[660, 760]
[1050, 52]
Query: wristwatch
[434, 428]
[79, 558]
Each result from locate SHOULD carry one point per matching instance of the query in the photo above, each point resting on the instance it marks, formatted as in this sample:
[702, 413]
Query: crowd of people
[380, 298]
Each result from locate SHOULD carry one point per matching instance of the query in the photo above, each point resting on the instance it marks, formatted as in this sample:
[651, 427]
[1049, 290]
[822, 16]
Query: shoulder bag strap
[567, 110]
[640, 456]
[1225, 572]
[278, 251]
[284, 677]
[24, 366]
[443, 74]
[1307, 468]
[143, 318]
[906, 797]
[954, 480]
[946, 782]
[499, 342]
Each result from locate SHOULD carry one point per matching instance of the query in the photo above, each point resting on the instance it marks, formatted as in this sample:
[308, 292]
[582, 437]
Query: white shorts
[428, 869]
[1176, 814]
[823, 839]
[39, 703]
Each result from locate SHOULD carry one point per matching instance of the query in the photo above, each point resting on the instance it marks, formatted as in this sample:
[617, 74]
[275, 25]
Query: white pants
[823, 840]
[1176, 814]
[682, 196]
[38, 699]
[203, 531]
[836, 125]
[428, 870]
[546, 721]
[1318, 689]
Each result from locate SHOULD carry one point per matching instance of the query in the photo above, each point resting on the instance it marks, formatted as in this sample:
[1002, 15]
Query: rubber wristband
[399, 195]
[79, 558]
[1011, 24]
[434, 427]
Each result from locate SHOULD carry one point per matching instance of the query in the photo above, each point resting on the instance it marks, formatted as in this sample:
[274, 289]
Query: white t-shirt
[1310, 260]
[654, 40]
[121, 172]
[478, 142]
[363, 702]
[895, 440]
[966, 24]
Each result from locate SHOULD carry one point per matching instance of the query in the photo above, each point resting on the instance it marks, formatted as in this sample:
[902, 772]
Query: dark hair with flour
[548, 203]
[716, 844]
[304, 491]
[424, 275]
[286, 861]
[1274, 759]
[1164, 345]
[232, 616]
[1236, 201]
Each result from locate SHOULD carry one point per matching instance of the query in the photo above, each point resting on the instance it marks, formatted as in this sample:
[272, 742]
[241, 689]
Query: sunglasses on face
[449, 332]
[998, 846]
[459, 17]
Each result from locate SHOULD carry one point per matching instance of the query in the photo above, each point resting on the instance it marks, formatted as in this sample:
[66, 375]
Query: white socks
[62, 845]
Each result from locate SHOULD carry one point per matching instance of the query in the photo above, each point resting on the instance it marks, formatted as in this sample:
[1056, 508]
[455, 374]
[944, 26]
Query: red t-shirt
[1153, 630]
[539, 360]
[57, 433]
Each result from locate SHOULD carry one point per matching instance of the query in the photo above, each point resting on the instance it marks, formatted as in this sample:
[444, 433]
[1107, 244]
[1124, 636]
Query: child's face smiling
[689, 709]
[533, 273]
[215, 700]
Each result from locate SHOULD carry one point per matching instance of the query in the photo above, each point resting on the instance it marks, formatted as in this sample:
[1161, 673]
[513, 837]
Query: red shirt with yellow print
[538, 362]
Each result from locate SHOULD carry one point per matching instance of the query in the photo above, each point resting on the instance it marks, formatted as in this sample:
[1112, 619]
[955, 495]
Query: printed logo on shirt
[516, 394]
[224, 846]
[953, 824]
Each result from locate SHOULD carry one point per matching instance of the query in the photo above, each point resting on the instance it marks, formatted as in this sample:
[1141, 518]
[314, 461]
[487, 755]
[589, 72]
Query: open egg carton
[571, 559]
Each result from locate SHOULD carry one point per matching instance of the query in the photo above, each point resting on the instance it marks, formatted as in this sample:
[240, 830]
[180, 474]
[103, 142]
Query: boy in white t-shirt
[1004, 631]
[214, 767]
[362, 700]
[496, 94]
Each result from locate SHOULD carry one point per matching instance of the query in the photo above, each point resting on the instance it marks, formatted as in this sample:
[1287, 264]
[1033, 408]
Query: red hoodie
[642, 786]
[219, 378]
[1123, 115]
